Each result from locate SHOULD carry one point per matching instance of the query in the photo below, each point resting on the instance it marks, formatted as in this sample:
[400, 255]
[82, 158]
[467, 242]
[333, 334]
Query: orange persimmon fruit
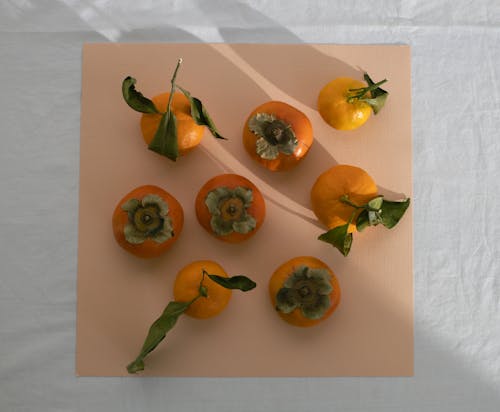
[147, 221]
[230, 207]
[189, 134]
[277, 135]
[304, 291]
[334, 184]
[187, 286]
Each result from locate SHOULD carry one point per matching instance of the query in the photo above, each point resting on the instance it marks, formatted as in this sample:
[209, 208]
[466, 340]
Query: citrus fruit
[277, 135]
[189, 134]
[304, 291]
[147, 221]
[338, 183]
[187, 286]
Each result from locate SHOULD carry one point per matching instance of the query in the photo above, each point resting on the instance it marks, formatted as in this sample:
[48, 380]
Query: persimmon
[304, 291]
[345, 199]
[172, 123]
[202, 290]
[230, 207]
[147, 221]
[346, 103]
[277, 135]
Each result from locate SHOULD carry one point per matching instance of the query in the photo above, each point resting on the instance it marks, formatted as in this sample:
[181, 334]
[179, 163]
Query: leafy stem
[376, 211]
[175, 309]
[378, 95]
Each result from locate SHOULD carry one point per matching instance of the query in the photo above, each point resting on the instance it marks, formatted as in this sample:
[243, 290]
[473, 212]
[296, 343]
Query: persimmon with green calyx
[147, 221]
[230, 207]
[346, 103]
[304, 291]
[172, 124]
[277, 135]
[346, 200]
[202, 290]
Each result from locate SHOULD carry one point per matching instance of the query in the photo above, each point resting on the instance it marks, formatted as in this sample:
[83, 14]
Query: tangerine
[337, 183]
[187, 287]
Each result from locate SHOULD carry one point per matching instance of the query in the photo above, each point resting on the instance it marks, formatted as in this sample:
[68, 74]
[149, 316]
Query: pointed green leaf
[362, 222]
[235, 282]
[392, 212]
[135, 99]
[200, 115]
[165, 139]
[157, 332]
[339, 238]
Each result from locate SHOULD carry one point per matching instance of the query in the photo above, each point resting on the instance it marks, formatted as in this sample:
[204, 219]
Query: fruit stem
[360, 92]
[172, 82]
[345, 199]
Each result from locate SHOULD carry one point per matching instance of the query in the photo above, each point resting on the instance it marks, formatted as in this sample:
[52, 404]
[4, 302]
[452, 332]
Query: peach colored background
[119, 295]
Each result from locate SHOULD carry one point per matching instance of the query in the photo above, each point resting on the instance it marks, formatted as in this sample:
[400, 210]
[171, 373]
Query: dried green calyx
[228, 208]
[147, 219]
[275, 136]
[307, 289]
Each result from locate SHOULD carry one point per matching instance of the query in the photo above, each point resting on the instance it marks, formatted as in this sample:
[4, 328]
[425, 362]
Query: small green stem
[345, 199]
[172, 82]
[360, 92]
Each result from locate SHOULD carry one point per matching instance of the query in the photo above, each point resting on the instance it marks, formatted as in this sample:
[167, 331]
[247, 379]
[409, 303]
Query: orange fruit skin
[281, 274]
[331, 185]
[186, 288]
[336, 110]
[257, 209]
[149, 248]
[189, 134]
[300, 124]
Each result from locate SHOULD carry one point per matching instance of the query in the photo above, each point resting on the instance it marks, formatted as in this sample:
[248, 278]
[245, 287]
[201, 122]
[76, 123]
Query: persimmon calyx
[147, 219]
[174, 310]
[275, 136]
[228, 208]
[307, 289]
[165, 139]
[372, 95]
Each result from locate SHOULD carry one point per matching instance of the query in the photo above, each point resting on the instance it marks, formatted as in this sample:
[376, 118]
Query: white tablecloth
[456, 123]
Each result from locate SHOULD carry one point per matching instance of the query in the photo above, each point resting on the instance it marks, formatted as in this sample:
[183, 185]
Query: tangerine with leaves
[277, 135]
[345, 199]
[147, 221]
[304, 291]
[202, 290]
[187, 284]
[172, 123]
[346, 103]
[230, 207]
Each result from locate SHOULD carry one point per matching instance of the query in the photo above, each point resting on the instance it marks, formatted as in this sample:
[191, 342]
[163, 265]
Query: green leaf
[135, 99]
[157, 332]
[375, 204]
[199, 113]
[235, 282]
[339, 238]
[379, 96]
[392, 212]
[362, 222]
[165, 139]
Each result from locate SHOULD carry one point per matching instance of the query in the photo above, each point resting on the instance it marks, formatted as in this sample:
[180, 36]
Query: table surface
[456, 118]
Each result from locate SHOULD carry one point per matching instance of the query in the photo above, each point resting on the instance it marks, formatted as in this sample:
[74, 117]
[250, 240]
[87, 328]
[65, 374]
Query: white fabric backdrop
[456, 123]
